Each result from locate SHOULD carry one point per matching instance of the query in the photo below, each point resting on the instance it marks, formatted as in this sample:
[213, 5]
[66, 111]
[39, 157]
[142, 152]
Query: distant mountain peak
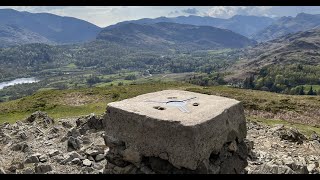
[286, 25]
[169, 35]
[244, 25]
[46, 27]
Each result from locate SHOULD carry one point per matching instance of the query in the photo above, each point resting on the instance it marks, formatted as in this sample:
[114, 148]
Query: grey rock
[32, 159]
[299, 166]
[2, 171]
[314, 136]
[53, 152]
[59, 159]
[24, 147]
[28, 170]
[93, 152]
[86, 170]
[40, 118]
[311, 168]
[93, 122]
[42, 168]
[85, 140]
[76, 161]
[66, 124]
[43, 158]
[99, 157]
[87, 162]
[276, 128]
[97, 166]
[268, 168]
[70, 156]
[292, 135]
[23, 135]
[73, 132]
[73, 143]
[90, 158]
[74, 154]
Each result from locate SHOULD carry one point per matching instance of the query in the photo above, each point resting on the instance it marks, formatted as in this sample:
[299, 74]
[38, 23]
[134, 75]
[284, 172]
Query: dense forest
[288, 79]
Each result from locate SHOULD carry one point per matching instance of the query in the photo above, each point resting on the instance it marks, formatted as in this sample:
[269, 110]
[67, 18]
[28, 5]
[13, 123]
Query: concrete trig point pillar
[191, 131]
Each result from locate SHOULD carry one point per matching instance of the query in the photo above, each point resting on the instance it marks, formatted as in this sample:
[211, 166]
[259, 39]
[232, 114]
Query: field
[301, 112]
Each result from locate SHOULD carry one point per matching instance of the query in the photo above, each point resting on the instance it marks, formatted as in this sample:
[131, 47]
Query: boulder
[24, 147]
[73, 143]
[87, 162]
[43, 158]
[23, 135]
[71, 156]
[34, 158]
[42, 168]
[94, 122]
[66, 124]
[99, 157]
[269, 168]
[53, 152]
[73, 132]
[299, 166]
[40, 118]
[315, 137]
[312, 168]
[292, 135]
[76, 161]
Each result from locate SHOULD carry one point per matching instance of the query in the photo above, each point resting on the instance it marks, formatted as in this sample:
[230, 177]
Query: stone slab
[158, 123]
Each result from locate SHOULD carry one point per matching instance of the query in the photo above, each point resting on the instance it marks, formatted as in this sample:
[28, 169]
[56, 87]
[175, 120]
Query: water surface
[18, 81]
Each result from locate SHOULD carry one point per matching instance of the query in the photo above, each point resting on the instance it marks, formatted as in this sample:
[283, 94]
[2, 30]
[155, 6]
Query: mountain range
[286, 25]
[298, 48]
[18, 28]
[244, 25]
[173, 35]
[24, 27]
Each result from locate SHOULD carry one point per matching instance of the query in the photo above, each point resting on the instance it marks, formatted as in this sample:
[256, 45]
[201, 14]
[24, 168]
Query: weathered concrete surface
[186, 138]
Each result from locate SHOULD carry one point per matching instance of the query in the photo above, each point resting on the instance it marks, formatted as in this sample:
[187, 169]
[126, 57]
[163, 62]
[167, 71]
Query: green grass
[60, 103]
[71, 66]
[45, 89]
[305, 129]
[77, 102]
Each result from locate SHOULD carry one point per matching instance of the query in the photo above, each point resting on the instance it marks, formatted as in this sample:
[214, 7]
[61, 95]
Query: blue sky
[107, 15]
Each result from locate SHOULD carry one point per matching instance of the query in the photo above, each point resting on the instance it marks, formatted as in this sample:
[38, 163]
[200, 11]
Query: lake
[18, 81]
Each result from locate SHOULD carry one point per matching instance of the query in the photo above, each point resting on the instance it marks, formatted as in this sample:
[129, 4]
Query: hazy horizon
[103, 16]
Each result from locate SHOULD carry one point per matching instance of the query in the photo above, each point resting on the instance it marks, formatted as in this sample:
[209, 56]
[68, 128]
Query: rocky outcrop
[265, 151]
[40, 118]
[281, 150]
[37, 146]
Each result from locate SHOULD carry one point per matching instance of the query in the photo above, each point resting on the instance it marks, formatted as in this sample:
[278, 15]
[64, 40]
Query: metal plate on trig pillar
[180, 104]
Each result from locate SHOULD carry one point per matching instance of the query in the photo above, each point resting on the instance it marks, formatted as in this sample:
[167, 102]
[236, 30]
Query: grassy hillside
[271, 108]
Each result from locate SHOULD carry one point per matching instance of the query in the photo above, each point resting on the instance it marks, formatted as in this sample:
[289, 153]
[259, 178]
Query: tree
[301, 91]
[248, 82]
[310, 92]
[93, 80]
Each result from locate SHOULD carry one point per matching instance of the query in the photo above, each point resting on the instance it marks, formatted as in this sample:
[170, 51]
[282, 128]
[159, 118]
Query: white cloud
[229, 11]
